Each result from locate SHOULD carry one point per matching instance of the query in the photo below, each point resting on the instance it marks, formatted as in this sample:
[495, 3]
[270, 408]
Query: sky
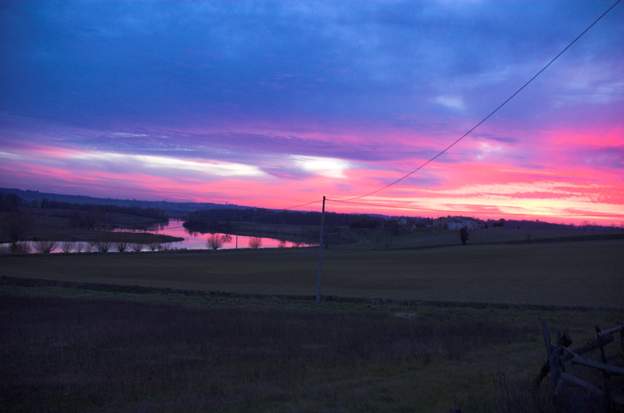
[277, 103]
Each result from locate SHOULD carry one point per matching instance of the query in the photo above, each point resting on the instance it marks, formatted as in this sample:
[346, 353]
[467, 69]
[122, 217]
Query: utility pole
[319, 269]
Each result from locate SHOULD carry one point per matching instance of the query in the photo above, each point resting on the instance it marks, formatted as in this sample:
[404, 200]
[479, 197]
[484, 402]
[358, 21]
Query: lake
[175, 228]
[198, 241]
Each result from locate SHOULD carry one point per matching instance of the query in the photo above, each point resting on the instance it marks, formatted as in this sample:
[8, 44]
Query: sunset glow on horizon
[277, 103]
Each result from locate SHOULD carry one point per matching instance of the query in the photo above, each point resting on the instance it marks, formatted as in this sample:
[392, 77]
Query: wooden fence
[561, 358]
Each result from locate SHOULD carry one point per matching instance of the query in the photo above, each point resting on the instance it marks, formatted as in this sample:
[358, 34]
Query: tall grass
[75, 355]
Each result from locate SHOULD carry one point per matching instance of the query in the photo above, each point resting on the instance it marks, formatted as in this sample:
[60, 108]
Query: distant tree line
[220, 219]
[18, 220]
[153, 213]
[10, 202]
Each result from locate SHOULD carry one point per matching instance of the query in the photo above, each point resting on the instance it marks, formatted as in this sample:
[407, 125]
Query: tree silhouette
[44, 246]
[137, 247]
[103, 246]
[18, 226]
[255, 242]
[463, 235]
[214, 241]
[67, 246]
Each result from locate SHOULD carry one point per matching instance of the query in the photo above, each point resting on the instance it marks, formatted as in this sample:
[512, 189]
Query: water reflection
[192, 241]
[199, 241]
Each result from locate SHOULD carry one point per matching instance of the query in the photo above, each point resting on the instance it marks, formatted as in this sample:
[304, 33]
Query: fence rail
[560, 358]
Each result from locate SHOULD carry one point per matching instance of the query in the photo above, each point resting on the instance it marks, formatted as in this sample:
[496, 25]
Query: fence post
[605, 375]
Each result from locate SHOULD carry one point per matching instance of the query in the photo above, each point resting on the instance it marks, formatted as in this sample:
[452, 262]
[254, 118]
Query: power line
[469, 131]
[492, 113]
[296, 206]
[348, 202]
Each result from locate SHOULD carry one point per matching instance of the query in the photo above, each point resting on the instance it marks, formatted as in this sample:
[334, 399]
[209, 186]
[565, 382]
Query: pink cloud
[488, 175]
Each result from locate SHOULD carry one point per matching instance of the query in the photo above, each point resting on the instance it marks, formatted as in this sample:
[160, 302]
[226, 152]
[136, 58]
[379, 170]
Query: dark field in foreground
[76, 350]
[589, 273]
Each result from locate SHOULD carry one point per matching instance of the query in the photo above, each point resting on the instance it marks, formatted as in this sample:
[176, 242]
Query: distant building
[457, 223]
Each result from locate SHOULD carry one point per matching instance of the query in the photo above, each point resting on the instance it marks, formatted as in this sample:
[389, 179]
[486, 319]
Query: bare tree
[255, 242]
[137, 247]
[67, 246]
[103, 246]
[79, 247]
[226, 238]
[463, 235]
[44, 247]
[214, 241]
[20, 248]
[282, 244]
[18, 225]
[122, 246]
[154, 246]
[92, 246]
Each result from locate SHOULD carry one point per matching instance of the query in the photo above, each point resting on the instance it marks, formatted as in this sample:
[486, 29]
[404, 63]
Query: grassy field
[589, 274]
[490, 235]
[147, 332]
[79, 348]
